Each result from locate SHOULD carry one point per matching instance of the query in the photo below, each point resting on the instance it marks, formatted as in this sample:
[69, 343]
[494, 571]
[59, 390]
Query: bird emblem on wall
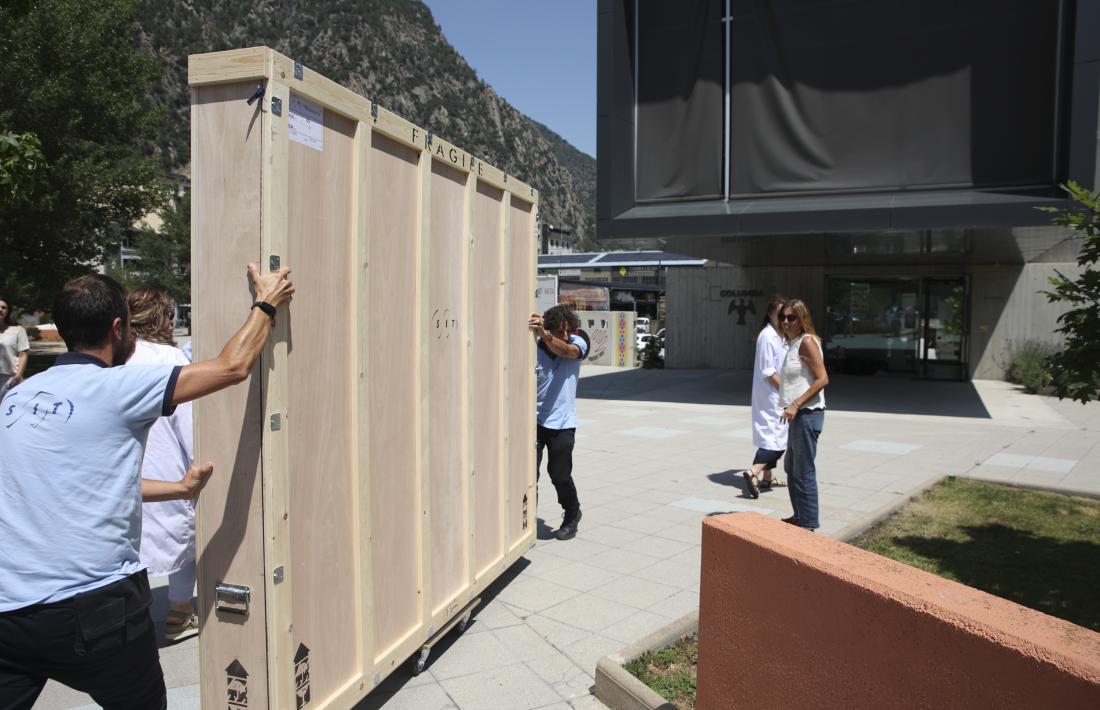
[742, 307]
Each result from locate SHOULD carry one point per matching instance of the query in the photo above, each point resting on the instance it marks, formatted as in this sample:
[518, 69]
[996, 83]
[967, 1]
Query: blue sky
[540, 55]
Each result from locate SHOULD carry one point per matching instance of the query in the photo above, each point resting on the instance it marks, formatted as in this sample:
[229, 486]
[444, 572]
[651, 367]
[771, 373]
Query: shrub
[1029, 365]
[32, 333]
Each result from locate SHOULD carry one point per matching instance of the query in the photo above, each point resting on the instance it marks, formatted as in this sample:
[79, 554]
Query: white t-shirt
[12, 342]
[167, 527]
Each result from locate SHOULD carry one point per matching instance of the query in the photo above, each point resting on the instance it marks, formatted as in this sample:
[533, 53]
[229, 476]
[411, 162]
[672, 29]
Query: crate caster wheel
[420, 662]
[465, 621]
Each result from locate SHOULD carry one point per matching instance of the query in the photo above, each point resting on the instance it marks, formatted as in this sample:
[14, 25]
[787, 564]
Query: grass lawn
[1037, 549]
[670, 671]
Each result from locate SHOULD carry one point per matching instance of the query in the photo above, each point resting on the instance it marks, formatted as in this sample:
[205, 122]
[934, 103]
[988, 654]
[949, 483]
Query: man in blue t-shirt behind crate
[559, 354]
[74, 597]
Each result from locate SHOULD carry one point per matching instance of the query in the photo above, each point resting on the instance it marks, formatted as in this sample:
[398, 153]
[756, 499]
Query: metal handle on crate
[232, 598]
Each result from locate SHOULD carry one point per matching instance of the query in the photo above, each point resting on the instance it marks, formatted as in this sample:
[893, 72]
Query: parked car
[661, 336]
[642, 339]
[641, 324]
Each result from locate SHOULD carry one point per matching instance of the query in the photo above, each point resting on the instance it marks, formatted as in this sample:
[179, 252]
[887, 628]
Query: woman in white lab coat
[769, 431]
[168, 527]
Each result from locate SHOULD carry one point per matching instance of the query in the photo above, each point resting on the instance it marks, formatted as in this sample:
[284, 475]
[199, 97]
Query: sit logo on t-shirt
[36, 409]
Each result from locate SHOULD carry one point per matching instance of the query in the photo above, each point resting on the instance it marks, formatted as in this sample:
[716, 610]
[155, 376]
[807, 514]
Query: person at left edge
[74, 597]
[557, 369]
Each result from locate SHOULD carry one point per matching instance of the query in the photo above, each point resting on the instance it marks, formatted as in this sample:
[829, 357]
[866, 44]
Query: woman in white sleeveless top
[769, 431]
[168, 527]
[802, 395]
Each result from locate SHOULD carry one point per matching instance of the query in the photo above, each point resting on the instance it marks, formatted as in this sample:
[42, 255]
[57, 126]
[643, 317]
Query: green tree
[21, 167]
[70, 72]
[1075, 370]
[166, 254]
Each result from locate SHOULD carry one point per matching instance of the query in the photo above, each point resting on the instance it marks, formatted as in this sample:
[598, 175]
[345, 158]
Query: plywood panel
[519, 298]
[486, 301]
[320, 390]
[225, 237]
[447, 335]
[393, 369]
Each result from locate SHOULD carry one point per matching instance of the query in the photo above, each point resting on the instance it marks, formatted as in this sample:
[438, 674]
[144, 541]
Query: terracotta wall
[791, 619]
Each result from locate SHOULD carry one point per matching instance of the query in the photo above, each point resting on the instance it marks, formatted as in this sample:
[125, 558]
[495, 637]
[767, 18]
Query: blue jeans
[799, 465]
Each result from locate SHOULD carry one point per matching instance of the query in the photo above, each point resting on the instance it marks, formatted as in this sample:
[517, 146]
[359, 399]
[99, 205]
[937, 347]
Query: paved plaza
[657, 451]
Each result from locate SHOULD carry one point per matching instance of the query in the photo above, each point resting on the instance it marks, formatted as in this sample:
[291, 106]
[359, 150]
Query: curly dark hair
[556, 317]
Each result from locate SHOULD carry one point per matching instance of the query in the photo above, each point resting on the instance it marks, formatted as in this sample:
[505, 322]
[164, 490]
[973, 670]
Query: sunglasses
[788, 317]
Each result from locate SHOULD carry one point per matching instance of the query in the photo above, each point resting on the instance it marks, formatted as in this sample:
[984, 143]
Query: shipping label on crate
[307, 123]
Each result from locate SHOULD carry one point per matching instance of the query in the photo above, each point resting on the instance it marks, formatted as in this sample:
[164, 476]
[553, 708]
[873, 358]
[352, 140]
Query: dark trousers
[559, 464]
[101, 643]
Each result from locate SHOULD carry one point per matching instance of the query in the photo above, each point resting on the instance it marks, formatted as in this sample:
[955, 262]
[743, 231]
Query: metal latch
[232, 598]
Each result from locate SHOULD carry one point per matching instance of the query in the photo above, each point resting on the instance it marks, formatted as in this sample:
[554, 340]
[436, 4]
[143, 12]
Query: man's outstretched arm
[239, 355]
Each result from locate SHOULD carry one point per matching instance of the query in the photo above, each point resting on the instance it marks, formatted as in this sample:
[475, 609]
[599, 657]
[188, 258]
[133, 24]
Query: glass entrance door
[911, 326]
[943, 344]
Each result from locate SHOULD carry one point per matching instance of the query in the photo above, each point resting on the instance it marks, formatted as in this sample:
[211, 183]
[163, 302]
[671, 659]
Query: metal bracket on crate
[374, 109]
[299, 71]
[276, 106]
[232, 598]
[274, 262]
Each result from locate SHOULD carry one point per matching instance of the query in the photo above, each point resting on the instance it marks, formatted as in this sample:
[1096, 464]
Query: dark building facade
[882, 159]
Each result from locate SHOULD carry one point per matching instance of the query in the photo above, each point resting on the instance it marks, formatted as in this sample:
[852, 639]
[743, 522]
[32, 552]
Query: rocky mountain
[392, 51]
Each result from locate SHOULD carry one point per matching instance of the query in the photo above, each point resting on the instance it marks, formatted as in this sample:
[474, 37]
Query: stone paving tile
[494, 615]
[507, 687]
[468, 654]
[525, 643]
[534, 594]
[582, 576]
[676, 606]
[590, 613]
[607, 535]
[635, 591]
[555, 632]
[635, 627]
[621, 561]
[589, 650]
[422, 697]
[670, 572]
[587, 702]
[564, 676]
[657, 546]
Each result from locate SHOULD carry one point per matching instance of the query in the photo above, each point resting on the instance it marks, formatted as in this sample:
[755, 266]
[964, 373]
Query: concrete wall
[714, 313]
[791, 619]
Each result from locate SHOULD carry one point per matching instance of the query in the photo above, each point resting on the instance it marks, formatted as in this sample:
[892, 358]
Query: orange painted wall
[789, 619]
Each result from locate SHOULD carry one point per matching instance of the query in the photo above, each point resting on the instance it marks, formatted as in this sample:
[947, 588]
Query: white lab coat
[167, 527]
[769, 431]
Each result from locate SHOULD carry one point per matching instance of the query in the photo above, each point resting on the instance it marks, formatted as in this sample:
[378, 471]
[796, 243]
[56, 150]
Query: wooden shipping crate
[377, 471]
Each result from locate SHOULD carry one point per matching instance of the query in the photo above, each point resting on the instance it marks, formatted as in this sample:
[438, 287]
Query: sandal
[180, 625]
[750, 481]
[766, 483]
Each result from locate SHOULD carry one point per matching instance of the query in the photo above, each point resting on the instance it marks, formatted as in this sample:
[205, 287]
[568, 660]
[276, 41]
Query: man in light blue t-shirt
[559, 354]
[74, 598]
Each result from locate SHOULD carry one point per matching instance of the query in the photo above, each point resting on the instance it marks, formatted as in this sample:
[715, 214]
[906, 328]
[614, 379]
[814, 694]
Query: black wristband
[266, 308]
